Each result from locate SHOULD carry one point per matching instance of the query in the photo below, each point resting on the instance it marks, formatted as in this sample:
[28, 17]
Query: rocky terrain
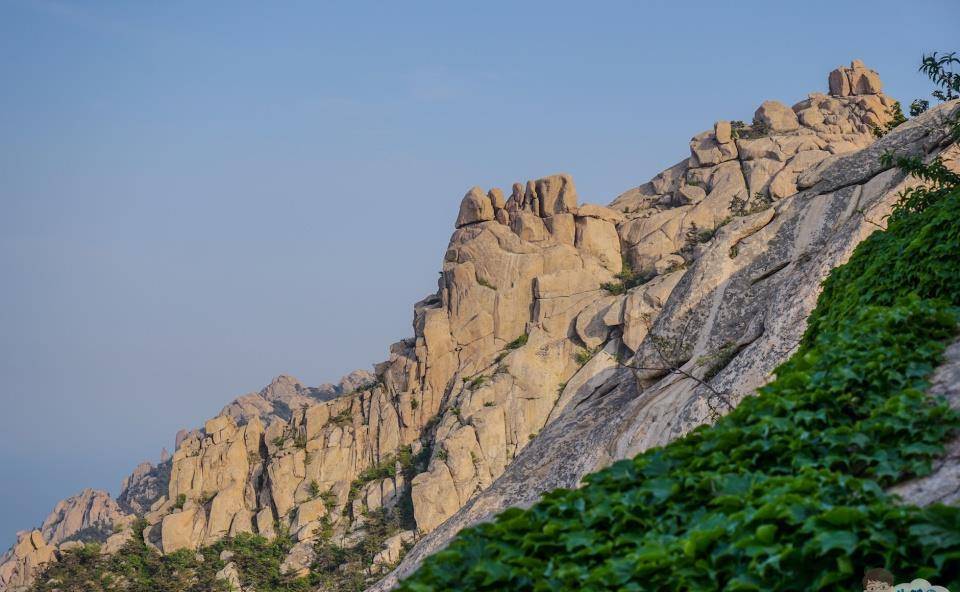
[562, 336]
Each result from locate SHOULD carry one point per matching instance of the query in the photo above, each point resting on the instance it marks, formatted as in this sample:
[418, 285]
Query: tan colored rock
[855, 80]
[230, 574]
[529, 227]
[785, 181]
[475, 207]
[496, 198]
[642, 306]
[810, 117]
[434, 497]
[309, 511]
[298, 560]
[599, 238]
[562, 227]
[722, 132]
[777, 116]
[590, 325]
[600, 212]
[691, 194]
[555, 194]
[393, 548]
[265, 523]
[25, 560]
[183, 529]
[705, 150]
[227, 503]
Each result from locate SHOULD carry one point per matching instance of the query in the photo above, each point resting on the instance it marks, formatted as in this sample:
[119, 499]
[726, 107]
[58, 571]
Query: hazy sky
[196, 197]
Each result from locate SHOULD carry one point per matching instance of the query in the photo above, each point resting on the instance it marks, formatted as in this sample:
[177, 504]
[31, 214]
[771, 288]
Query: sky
[197, 197]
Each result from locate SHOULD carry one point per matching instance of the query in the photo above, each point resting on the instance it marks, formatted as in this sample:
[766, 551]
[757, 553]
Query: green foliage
[486, 284]
[739, 129]
[919, 107]
[695, 235]
[367, 386]
[343, 418]
[787, 492]
[329, 499]
[719, 360]
[414, 403]
[338, 568]
[896, 118]
[181, 500]
[518, 342]
[300, 440]
[314, 489]
[138, 568]
[585, 355]
[627, 279]
[939, 181]
[740, 206]
[476, 382]
[939, 68]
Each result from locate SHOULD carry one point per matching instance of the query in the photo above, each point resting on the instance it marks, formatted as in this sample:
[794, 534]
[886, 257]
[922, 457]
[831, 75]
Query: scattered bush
[476, 382]
[627, 279]
[343, 418]
[518, 342]
[585, 355]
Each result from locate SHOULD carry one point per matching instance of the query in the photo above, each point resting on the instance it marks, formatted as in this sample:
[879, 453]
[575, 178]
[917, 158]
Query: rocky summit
[562, 336]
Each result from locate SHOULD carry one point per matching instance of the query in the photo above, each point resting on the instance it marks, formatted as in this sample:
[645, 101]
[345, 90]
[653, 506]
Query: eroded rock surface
[547, 349]
[736, 312]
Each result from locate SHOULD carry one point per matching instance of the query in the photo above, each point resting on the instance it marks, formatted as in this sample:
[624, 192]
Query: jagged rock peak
[855, 80]
[90, 515]
[544, 198]
[286, 394]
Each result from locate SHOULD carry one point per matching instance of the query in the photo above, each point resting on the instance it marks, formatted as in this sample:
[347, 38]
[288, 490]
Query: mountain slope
[562, 337]
[787, 491]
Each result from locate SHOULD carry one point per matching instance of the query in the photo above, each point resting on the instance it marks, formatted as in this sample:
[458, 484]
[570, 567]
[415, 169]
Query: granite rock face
[546, 350]
[89, 516]
[728, 319]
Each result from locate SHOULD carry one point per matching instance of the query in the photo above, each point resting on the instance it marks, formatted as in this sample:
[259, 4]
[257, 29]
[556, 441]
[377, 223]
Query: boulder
[777, 117]
[599, 238]
[475, 207]
[183, 529]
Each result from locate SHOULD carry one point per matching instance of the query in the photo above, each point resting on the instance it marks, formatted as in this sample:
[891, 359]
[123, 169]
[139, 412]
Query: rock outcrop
[561, 336]
[737, 312]
[89, 516]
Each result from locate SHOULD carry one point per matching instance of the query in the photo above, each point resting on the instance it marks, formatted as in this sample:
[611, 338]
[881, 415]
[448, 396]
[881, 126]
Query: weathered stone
[599, 238]
[777, 116]
[183, 529]
[475, 207]
[722, 132]
[562, 227]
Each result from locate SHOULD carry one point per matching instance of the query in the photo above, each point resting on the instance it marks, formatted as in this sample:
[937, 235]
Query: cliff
[562, 336]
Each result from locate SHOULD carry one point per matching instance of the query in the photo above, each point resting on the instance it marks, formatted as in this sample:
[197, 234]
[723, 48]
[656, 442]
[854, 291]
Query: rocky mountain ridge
[562, 336]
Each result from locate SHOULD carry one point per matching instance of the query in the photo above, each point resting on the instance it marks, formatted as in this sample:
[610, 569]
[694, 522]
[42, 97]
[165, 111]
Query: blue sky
[195, 197]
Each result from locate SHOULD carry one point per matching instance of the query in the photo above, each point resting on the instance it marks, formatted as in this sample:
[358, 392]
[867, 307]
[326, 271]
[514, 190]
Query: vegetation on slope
[786, 492]
[138, 568]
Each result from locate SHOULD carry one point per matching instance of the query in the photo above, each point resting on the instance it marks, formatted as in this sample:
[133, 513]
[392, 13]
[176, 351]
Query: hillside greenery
[786, 492]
